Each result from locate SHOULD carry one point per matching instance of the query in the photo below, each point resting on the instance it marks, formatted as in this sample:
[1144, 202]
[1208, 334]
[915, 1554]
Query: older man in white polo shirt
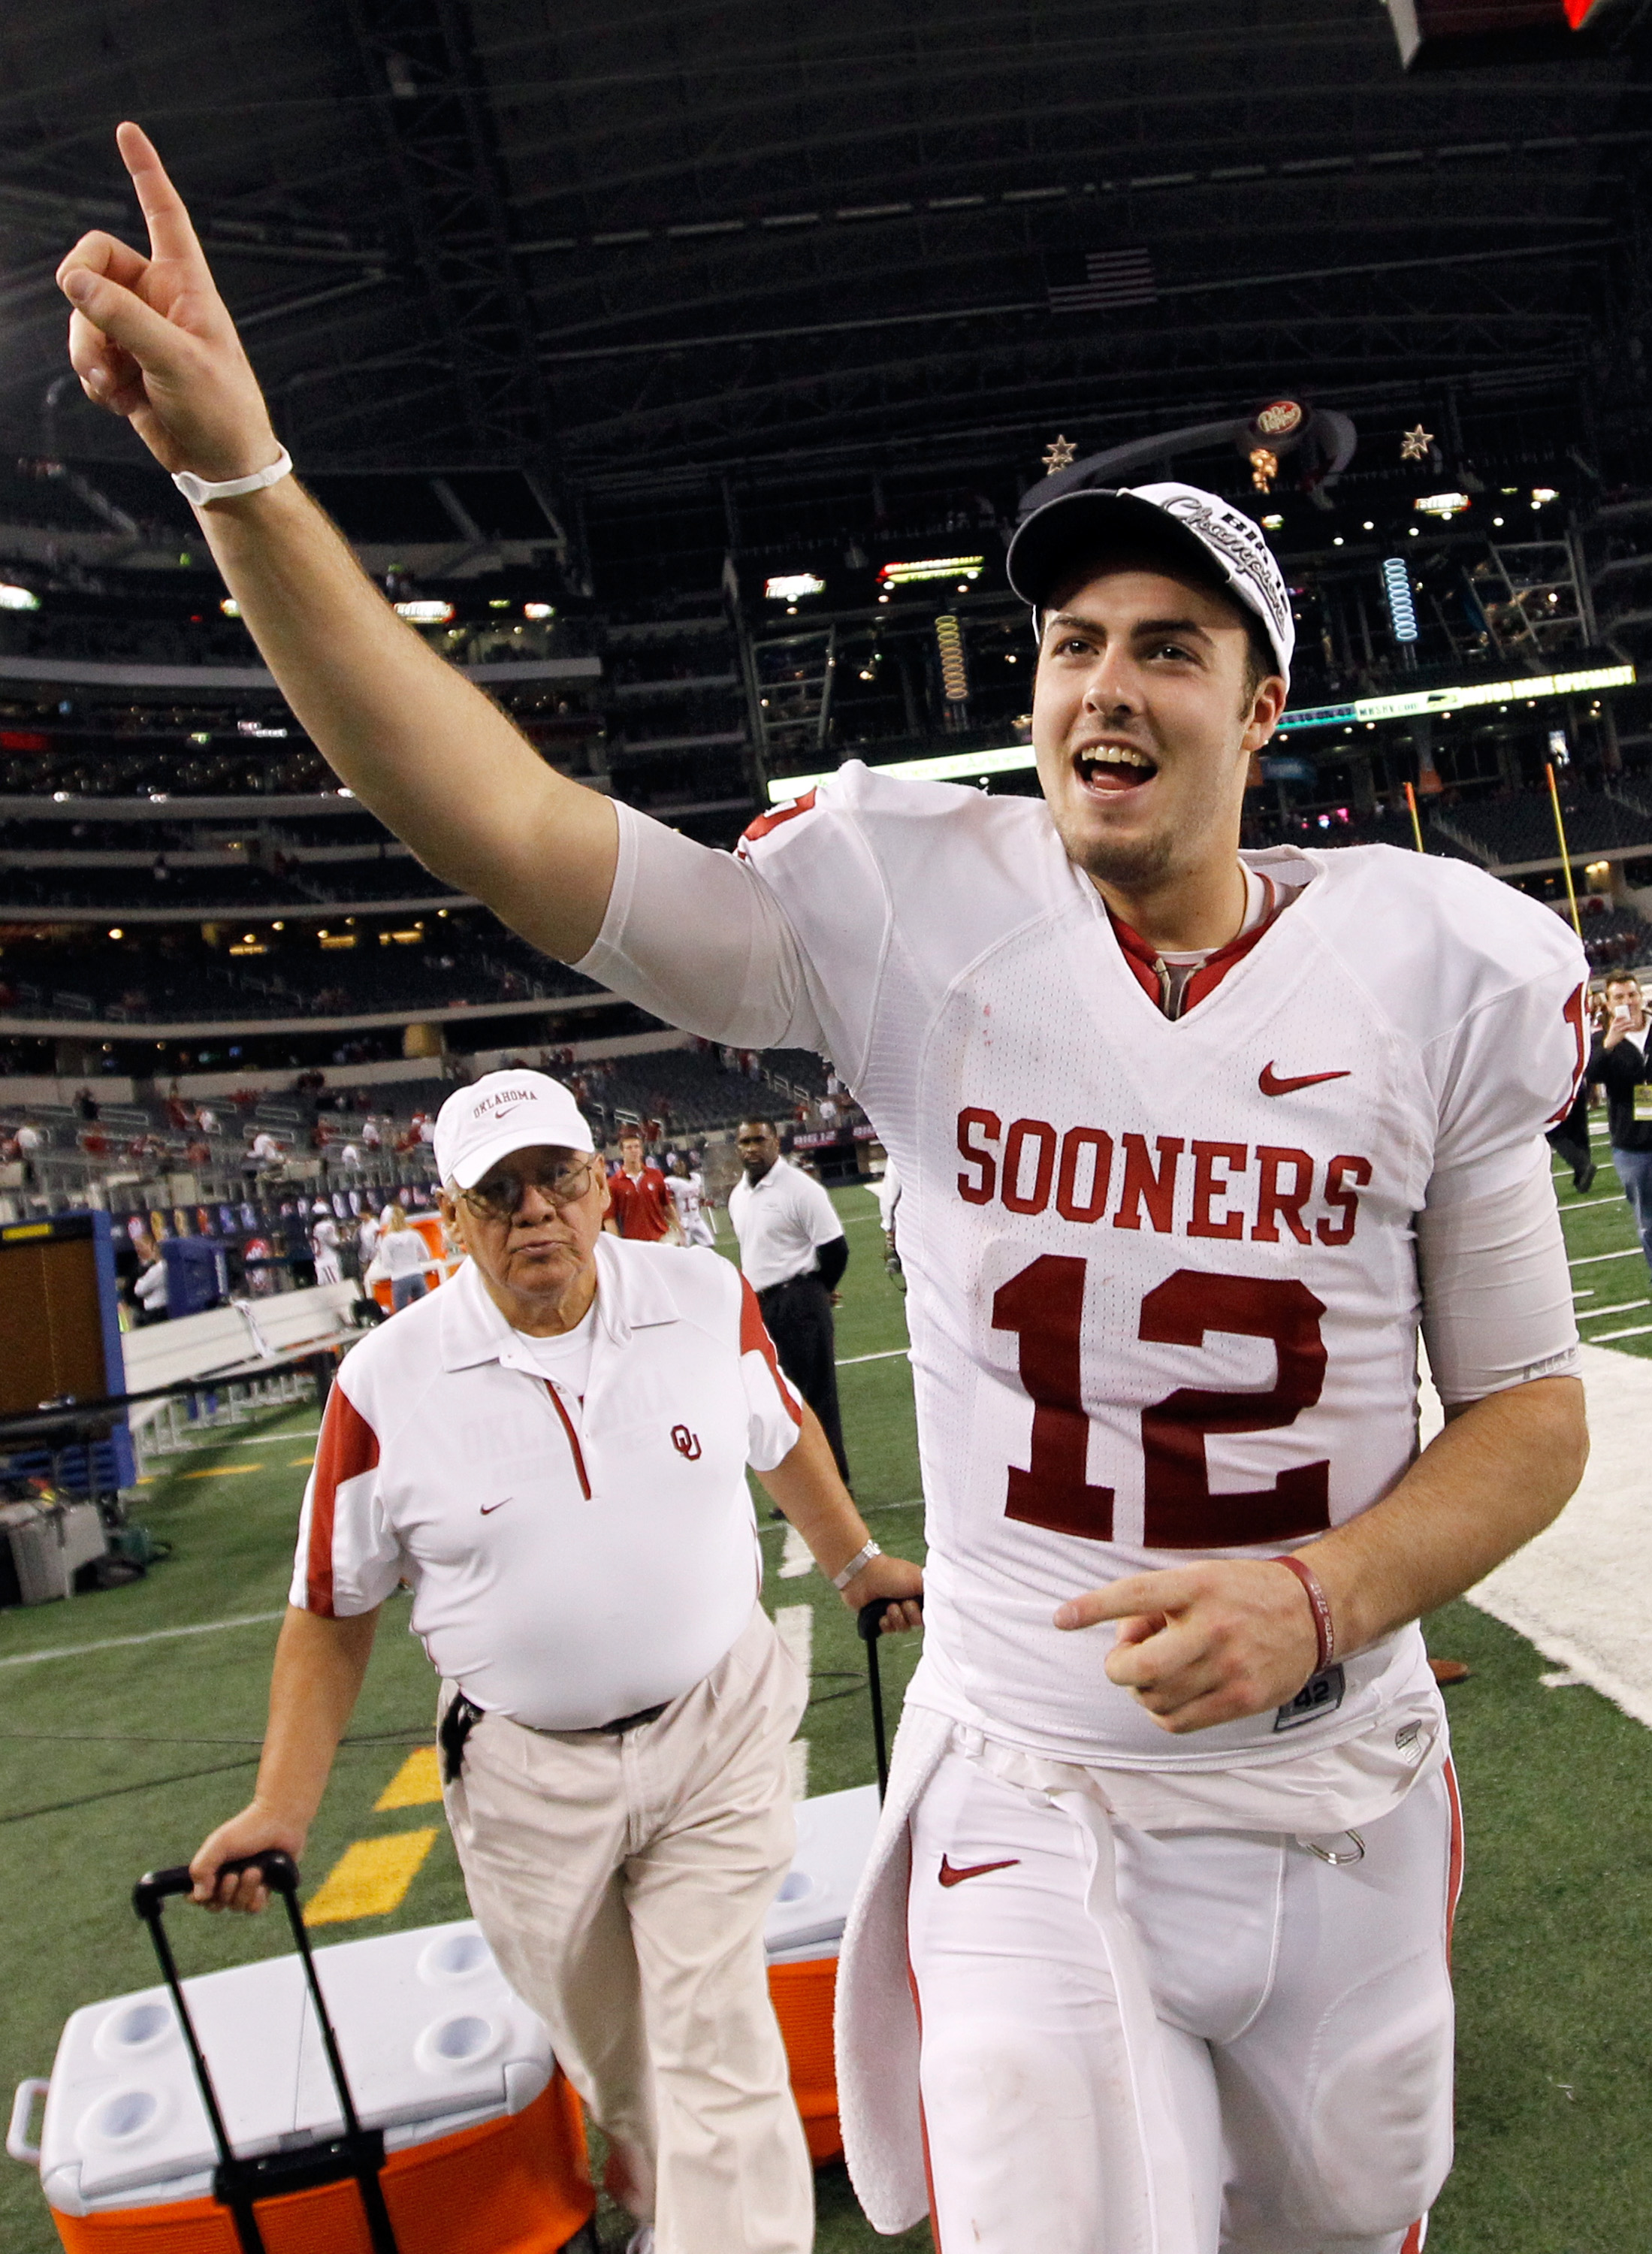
[552, 1450]
[793, 1254]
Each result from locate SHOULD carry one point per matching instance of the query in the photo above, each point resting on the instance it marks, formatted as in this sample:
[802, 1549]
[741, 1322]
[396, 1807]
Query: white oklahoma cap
[1079, 526]
[502, 1112]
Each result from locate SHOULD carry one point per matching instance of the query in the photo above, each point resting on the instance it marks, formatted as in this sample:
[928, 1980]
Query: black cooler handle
[869, 1620]
[237, 2184]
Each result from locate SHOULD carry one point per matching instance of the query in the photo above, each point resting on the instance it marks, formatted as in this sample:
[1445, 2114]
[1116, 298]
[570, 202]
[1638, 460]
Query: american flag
[1095, 281]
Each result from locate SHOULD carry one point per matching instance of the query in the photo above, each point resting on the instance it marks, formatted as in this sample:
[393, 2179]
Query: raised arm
[150, 340]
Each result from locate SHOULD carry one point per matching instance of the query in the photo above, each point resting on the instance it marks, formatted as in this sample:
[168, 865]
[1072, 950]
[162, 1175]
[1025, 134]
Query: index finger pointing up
[170, 234]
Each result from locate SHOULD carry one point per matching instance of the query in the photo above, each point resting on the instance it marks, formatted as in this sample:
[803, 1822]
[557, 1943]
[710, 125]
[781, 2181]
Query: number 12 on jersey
[1043, 1306]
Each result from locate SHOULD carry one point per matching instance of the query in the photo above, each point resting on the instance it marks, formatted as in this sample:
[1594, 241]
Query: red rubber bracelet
[1324, 1625]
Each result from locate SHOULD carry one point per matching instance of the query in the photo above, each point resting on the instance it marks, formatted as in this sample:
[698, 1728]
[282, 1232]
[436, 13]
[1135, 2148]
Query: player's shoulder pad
[875, 801]
[1433, 938]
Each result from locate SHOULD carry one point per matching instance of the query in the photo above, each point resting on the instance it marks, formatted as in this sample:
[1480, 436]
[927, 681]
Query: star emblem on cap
[1059, 456]
[1414, 444]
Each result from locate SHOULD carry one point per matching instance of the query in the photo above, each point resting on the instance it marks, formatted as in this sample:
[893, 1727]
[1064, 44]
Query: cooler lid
[834, 1838]
[426, 2024]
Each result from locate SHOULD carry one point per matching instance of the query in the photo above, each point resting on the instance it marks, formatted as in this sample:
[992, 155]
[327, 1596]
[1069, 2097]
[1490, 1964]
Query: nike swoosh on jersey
[499, 1505]
[952, 1876]
[1270, 1083]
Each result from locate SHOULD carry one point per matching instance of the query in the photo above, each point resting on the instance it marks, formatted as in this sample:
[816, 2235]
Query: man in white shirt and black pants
[552, 1452]
[793, 1254]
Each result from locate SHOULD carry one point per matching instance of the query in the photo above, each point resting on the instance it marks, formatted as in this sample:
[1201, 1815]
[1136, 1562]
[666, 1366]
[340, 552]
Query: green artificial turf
[115, 1760]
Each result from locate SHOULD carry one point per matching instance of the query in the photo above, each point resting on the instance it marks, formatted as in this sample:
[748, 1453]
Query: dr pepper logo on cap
[1278, 419]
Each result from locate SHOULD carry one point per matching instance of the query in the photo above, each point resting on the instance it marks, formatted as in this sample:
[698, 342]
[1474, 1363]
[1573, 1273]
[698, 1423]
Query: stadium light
[17, 599]
[1396, 592]
[1016, 759]
[932, 567]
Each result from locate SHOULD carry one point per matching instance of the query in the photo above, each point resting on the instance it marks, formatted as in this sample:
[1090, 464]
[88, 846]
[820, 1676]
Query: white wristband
[200, 491]
[857, 1563]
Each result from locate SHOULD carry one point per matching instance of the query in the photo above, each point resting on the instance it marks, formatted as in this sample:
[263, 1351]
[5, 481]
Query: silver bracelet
[857, 1563]
[201, 490]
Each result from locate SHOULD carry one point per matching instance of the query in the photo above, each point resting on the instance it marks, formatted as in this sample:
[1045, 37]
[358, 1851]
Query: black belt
[462, 1717]
[804, 1276]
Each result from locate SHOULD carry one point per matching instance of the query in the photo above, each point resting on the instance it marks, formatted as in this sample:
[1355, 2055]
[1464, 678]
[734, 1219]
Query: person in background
[642, 1207]
[405, 1258]
[151, 1289]
[324, 1244]
[366, 1238]
[686, 1186]
[207, 1120]
[888, 1193]
[372, 1135]
[793, 1253]
[1617, 1063]
[1570, 1141]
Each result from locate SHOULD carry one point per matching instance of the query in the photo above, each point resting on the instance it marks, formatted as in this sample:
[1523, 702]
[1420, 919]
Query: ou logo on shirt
[686, 1443]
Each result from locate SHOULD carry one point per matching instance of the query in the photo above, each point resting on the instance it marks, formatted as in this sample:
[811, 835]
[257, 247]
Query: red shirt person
[641, 1204]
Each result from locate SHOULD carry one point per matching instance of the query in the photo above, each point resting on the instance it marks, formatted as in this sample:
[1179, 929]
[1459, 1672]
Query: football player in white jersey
[686, 1187]
[1152, 1959]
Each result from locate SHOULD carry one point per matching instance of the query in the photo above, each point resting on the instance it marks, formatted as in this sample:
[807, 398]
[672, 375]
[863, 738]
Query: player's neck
[1194, 910]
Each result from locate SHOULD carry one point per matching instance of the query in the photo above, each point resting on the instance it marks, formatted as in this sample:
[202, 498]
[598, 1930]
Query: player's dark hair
[756, 1119]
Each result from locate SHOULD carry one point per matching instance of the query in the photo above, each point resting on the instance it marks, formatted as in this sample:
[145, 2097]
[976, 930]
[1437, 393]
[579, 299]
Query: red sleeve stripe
[754, 1339]
[348, 1446]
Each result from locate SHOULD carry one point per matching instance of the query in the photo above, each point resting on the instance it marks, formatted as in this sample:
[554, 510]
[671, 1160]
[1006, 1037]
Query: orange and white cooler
[801, 1937]
[485, 2143]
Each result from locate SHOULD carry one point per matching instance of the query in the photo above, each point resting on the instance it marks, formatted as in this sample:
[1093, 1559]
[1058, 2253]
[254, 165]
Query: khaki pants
[622, 1884]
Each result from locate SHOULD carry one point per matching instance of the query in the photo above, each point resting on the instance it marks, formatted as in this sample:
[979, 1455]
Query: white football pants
[1173, 2043]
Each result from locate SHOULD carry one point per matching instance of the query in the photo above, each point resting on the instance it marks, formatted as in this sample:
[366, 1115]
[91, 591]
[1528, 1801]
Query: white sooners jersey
[687, 1191]
[1162, 1282]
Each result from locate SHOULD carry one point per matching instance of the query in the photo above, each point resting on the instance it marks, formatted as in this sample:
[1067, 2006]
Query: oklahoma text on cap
[502, 1112]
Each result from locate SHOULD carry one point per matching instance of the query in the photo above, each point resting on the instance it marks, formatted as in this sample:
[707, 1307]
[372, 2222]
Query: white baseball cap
[502, 1112]
[1077, 526]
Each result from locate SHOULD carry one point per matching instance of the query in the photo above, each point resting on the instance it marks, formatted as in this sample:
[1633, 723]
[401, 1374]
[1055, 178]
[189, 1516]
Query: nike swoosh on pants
[952, 1876]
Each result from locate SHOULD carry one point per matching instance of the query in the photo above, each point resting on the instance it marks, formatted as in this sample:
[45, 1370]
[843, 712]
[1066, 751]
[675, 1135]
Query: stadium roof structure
[626, 251]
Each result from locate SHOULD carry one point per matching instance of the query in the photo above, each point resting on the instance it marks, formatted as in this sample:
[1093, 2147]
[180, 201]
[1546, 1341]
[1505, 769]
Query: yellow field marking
[300, 1463]
[370, 1878]
[222, 1470]
[416, 1784]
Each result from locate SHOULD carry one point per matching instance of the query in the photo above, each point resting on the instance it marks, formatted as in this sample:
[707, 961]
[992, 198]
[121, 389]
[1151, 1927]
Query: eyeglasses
[565, 1181]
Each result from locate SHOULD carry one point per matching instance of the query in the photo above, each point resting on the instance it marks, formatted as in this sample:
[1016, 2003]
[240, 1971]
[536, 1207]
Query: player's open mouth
[1109, 769]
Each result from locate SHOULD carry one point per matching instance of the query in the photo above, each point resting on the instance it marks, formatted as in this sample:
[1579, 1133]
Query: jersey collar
[632, 1294]
[1149, 970]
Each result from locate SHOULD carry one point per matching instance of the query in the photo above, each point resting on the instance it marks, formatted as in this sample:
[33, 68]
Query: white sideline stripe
[1577, 1590]
[795, 1560]
[889, 1354]
[1623, 1307]
[1634, 1330]
[126, 1642]
[1590, 1259]
[794, 1625]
